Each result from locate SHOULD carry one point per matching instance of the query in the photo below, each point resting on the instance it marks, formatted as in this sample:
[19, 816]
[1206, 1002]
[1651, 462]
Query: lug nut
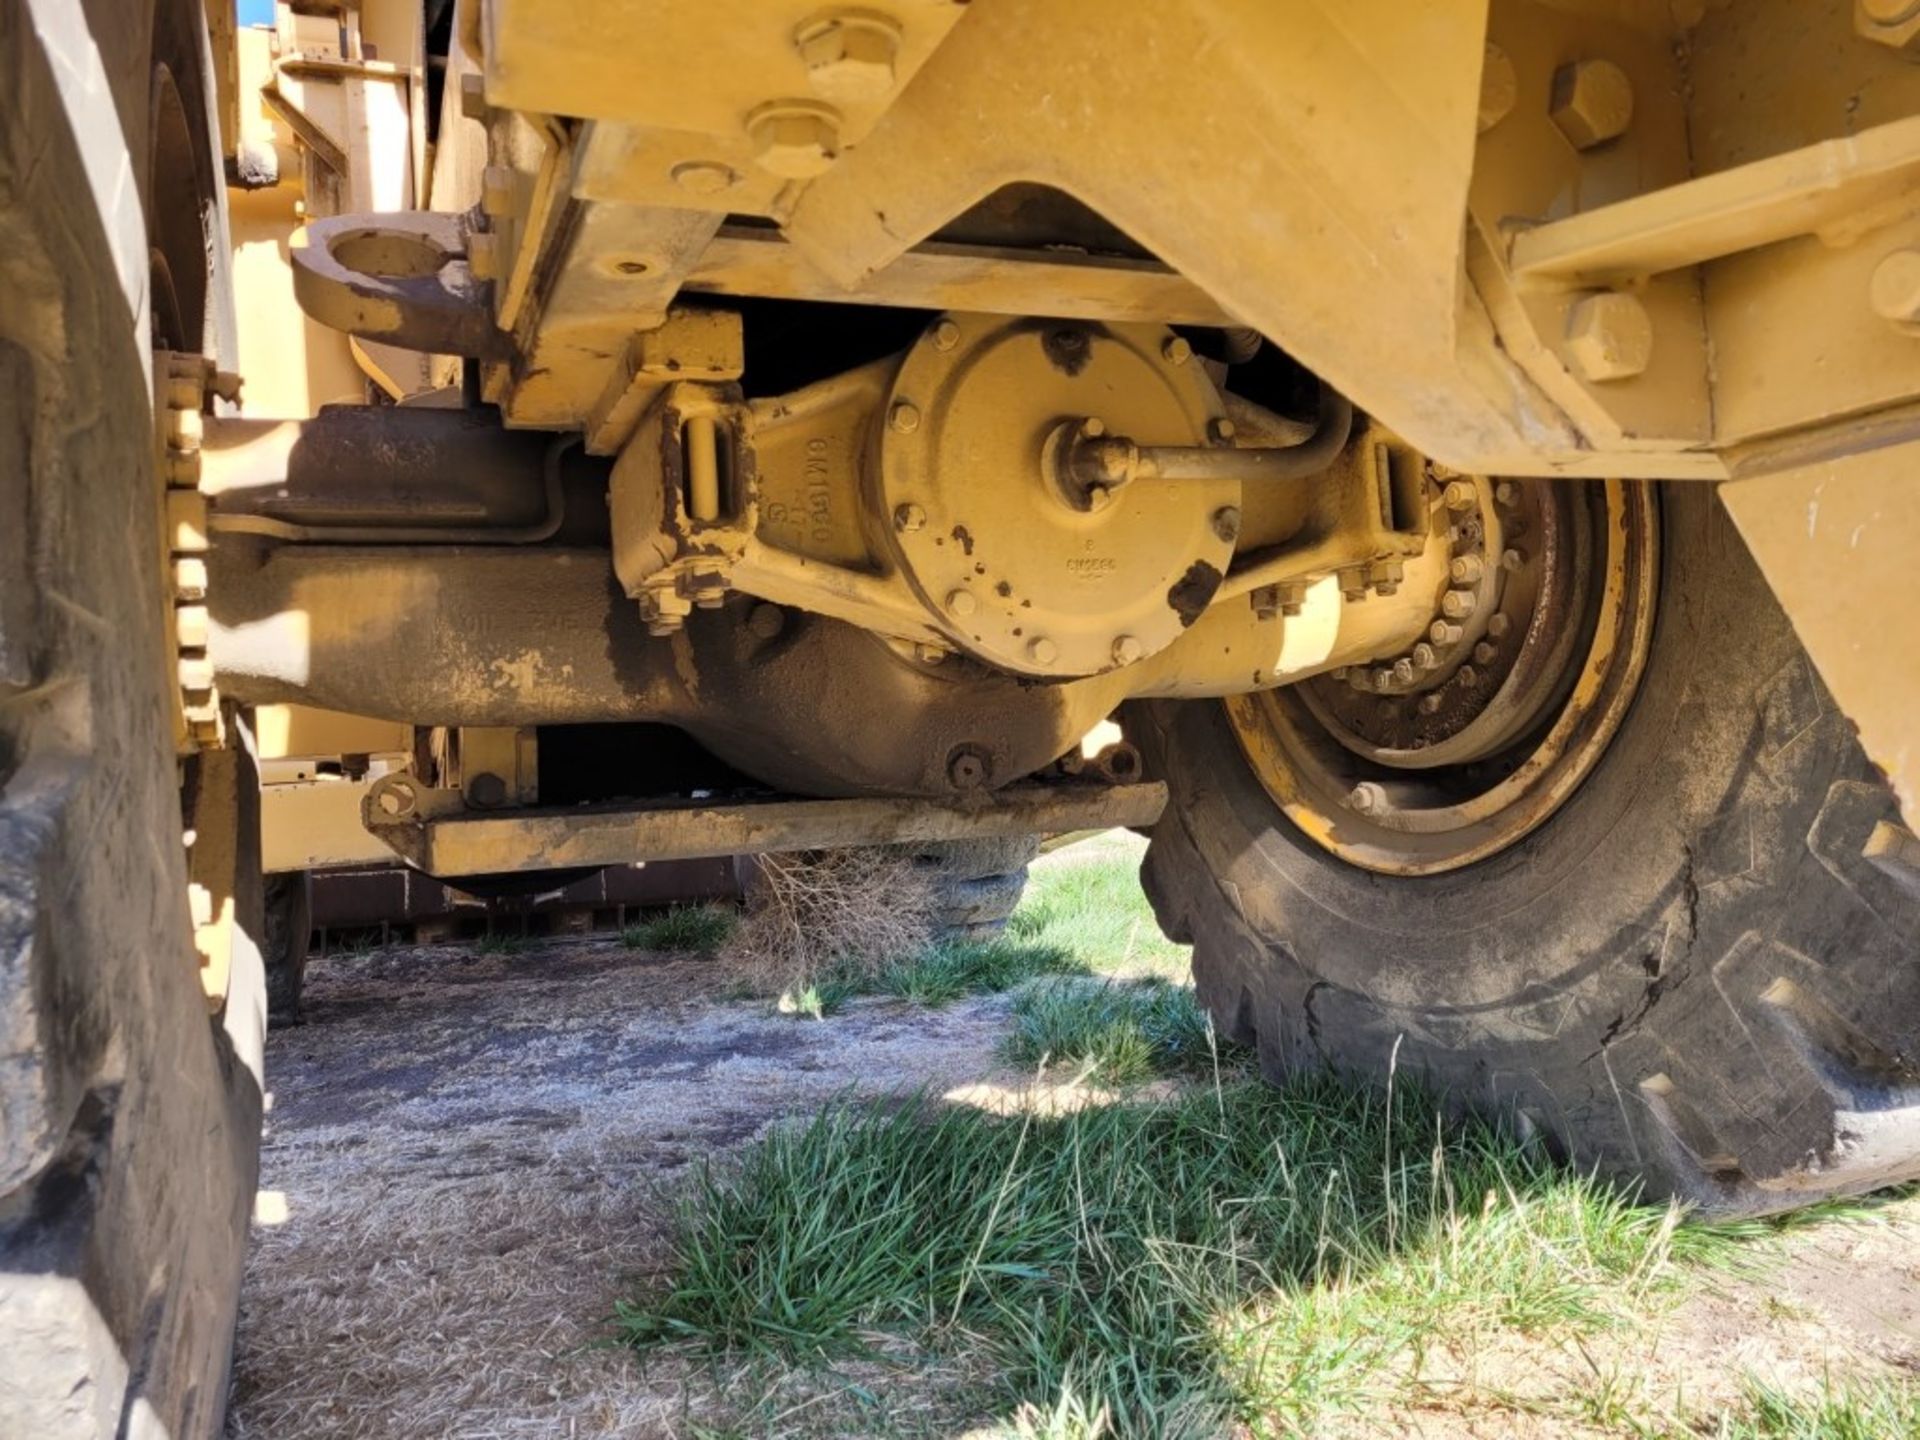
[1483, 653]
[1441, 633]
[1506, 494]
[904, 417]
[1425, 657]
[946, 335]
[962, 602]
[1403, 672]
[1430, 702]
[909, 518]
[1467, 675]
[1511, 559]
[1127, 649]
[1461, 495]
[1465, 569]
[1353, 584]
[1458, 604]
[1382, 678]
[1220, 430]
[1226, 522]
[1177, 350]
[1498, 625]
[1367, 797]
[766, 621]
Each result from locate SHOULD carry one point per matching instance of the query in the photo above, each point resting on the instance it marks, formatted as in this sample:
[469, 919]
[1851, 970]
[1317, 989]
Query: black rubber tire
[1700, 972]
[289, 931]
[975, 884]
[129, 1121]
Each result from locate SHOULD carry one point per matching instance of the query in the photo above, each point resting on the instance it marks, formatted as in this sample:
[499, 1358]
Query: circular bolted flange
[1056, 574]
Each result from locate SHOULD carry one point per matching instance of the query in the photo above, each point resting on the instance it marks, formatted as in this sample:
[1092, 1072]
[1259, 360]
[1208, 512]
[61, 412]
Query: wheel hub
[1430, 760]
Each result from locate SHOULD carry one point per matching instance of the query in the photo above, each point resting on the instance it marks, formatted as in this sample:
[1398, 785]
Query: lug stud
[1367, 797]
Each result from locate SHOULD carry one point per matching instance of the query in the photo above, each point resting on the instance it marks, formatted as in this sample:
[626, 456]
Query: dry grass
[844, 913]
[471, 1158]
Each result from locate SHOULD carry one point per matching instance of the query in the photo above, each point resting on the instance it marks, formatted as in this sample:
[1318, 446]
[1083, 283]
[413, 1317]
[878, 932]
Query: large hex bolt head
[1592, 102]
[794, 139]
[1894, 23]
[1894, 291]
[849, 57]
[1609, 336]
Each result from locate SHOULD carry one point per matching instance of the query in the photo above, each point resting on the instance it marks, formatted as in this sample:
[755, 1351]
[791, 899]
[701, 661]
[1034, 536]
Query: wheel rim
[1440, 760]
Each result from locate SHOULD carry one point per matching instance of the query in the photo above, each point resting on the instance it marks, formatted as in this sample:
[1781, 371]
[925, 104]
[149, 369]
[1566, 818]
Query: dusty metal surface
[1836, 541]
[1601, 239]
[403, 814]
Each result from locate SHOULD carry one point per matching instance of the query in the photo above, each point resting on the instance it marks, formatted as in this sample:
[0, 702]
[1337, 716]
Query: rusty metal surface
[483, 844]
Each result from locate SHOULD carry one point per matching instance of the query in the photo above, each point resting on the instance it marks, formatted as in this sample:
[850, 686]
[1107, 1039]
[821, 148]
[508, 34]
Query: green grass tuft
[817, 1000]
[1121, 1031]
[701, 929]
[1080, 918]
[495, 943]
[1856, 1410]
[1093, 910]
[1240, 1253]
[955, 969]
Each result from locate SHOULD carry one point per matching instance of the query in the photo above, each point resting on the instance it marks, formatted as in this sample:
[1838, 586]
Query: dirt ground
[469, 1159]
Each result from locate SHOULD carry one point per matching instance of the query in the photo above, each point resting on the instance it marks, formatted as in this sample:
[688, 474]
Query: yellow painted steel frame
[1518, 231]
[1600, 238]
